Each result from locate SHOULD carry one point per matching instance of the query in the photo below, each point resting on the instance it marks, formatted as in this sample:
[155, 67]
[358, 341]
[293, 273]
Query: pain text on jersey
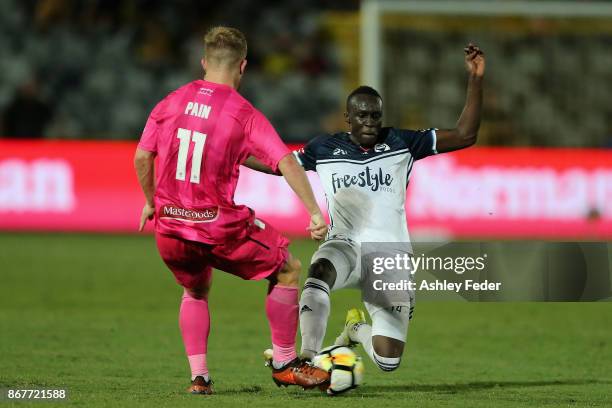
[198, 110]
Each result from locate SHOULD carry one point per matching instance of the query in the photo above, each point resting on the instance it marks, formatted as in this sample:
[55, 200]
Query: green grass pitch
[97, 315]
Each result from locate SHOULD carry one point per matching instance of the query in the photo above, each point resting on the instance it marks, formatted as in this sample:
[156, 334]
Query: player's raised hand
[474, 60]
[148, 212]
[318, 227]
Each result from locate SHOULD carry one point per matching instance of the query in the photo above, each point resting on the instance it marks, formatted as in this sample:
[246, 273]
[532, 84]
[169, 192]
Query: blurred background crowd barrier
[548, 79]
[92, 70]
[478, 192]
[95, 68]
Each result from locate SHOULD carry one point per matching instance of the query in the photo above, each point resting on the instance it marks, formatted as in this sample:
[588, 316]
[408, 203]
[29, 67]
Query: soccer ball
[345, 368]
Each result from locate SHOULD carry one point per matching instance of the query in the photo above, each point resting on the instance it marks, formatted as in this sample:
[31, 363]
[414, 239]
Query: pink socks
[282, 312]
[194, 321]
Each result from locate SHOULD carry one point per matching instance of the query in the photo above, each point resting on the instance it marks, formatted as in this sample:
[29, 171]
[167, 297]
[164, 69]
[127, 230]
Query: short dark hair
[362, 90]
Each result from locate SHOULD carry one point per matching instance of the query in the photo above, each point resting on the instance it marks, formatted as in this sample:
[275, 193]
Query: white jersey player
[364, 173]
[365, 186]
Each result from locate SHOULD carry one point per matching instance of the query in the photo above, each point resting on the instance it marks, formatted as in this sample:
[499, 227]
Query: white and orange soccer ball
[343, 364]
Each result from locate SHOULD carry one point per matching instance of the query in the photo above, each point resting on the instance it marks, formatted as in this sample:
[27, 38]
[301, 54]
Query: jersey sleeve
[264, 143]
[148, 139]
[306, 156]
[422, 143]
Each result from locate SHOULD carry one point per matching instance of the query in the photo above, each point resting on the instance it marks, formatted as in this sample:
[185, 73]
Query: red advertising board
[474, 193]
[513, 193]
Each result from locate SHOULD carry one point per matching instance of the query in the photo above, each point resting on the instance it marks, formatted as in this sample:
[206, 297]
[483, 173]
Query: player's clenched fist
[318, 227]
[474, 60]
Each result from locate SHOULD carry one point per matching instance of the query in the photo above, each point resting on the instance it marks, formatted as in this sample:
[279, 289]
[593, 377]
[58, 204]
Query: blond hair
[224, 46]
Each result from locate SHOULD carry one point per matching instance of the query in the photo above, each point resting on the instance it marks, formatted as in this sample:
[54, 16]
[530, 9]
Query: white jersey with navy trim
[366, 189]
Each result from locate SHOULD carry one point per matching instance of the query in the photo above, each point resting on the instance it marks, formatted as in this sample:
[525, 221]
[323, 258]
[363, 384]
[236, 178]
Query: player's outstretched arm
[297, 180]
[466, 131]
[144, 163]
[254, 164]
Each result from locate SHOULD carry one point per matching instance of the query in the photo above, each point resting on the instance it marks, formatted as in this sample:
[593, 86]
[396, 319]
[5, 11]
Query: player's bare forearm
[469, 121]
[254, 164]
[465, 133]
[144, 163]
[297, 180]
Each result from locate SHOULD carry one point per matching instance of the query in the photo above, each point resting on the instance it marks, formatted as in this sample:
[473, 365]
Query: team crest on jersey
[381, 147]
[338, 152]
[206, 91]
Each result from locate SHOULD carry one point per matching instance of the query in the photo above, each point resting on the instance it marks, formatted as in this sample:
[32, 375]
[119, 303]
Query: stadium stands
[104, 64]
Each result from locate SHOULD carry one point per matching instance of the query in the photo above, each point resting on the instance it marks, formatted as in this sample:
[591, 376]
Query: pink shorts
[261, 253]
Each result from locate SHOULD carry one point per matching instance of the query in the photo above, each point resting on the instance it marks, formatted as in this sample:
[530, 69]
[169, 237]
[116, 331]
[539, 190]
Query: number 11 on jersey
[186, 136]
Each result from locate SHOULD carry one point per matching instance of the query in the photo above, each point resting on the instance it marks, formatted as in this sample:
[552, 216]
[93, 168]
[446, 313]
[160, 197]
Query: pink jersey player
[201, 134]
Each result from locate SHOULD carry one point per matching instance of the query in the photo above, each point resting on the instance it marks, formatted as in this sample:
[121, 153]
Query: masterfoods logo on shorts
[173, 212]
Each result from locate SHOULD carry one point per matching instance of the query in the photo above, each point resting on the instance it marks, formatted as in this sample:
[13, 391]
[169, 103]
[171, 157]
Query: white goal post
[372, 60]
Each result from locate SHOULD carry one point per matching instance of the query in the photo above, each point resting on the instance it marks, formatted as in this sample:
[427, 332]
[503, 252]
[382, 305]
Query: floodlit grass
[97, 315]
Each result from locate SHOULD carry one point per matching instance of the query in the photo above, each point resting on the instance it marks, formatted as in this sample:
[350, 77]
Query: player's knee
[201, 288]
[386, 364]
[290, 274]
[387, 352]
[388, 367]
[199, 292]
[294, 268]
[324, 270]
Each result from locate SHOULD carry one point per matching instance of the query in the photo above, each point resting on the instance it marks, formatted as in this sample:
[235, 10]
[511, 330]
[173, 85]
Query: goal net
[548, 78]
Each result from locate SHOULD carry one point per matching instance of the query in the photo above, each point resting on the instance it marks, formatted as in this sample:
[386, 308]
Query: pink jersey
[201, 133]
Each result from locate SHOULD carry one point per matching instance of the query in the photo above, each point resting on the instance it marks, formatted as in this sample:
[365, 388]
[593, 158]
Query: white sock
[385, 363]
[314, 311]
[205, 376]
[279, 364]
[362, 332]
